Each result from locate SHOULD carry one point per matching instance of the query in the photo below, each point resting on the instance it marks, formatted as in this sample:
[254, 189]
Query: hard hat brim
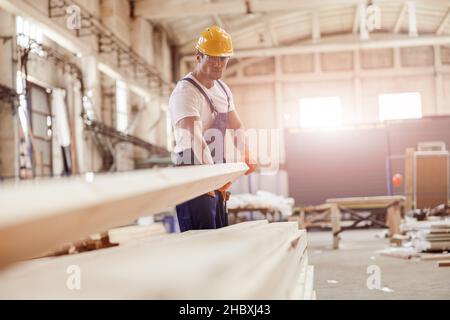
[225, 54]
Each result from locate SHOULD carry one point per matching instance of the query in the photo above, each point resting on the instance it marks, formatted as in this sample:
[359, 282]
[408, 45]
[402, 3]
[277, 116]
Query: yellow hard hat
[216, 42]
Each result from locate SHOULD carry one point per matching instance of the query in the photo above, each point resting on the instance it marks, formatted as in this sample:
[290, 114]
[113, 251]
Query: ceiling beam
[154, 9]
[216, 17]
[400, 18]
[233, 30]
[315, 26]
[244, 64]
[347, 43]
[363, 32]
[443, 24]
[412, 19]
[219, 21]
[270, 31]
[245, 27]
[173, 38]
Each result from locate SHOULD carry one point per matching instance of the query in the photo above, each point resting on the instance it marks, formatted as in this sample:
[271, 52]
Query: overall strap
[195, 84]
[226, 93]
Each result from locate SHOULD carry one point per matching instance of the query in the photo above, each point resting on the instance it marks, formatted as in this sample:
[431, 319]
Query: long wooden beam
[443, 24]
[154, 9]
[341, 43]
[400, 17]
[253, 260]
[39, 216]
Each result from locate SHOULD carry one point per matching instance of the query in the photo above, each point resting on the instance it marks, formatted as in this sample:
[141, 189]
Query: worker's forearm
[200, 147]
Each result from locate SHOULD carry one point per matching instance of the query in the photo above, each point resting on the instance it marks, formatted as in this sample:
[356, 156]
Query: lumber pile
[262, 199]
[61, 211]
[253, 260]
[429, 235]
[112, 238]
[124, 235]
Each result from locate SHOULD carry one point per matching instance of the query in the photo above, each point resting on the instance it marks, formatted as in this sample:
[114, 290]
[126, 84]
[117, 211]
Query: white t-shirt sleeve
[182, 104]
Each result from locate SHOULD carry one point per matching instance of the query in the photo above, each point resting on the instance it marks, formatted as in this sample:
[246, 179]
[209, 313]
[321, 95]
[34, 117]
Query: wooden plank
[38, 216]
[444, 263]
[308, 294]
[134, 233]
[299, 288]
[433, 257]
[282, 265]
[216, 264]
[366, 202]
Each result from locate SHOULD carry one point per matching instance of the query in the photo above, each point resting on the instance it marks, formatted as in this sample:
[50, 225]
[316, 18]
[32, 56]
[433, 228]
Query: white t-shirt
[187, 101]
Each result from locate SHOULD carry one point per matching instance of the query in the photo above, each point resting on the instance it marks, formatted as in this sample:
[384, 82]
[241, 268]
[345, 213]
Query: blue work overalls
[204, 212]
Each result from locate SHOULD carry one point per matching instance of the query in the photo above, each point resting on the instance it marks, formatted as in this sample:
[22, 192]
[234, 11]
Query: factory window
[121, 106]
[41, 120]
[400, 106]
[320, 112]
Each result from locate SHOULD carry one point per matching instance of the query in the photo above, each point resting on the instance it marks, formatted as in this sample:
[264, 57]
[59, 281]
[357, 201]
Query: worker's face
[212, 67]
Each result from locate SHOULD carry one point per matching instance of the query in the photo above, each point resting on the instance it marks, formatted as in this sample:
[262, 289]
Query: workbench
[264, 211]
[390, 208]
[392, 205]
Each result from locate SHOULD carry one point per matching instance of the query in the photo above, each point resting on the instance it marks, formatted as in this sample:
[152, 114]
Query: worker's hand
[224, 189]
[250, 163]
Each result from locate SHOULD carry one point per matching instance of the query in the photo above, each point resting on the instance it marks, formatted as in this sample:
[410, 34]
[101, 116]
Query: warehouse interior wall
[146, 115]
[355, 162]
[267, 93]
[266, 90]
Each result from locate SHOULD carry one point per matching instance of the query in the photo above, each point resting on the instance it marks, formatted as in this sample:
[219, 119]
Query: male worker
[202, 109]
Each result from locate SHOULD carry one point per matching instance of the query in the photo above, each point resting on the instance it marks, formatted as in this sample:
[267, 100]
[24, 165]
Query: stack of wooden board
[41, 216]
[114, 237]
[430, 236]
[253, 260]
[134, 233]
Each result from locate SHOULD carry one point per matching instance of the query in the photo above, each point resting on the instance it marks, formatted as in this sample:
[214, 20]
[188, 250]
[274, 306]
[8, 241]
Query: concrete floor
[342, 274]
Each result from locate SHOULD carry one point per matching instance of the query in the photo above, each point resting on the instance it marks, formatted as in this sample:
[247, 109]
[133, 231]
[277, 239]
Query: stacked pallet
[253, 260]
[430, 235]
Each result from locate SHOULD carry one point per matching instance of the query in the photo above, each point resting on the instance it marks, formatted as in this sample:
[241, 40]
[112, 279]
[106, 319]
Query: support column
[92, 105]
